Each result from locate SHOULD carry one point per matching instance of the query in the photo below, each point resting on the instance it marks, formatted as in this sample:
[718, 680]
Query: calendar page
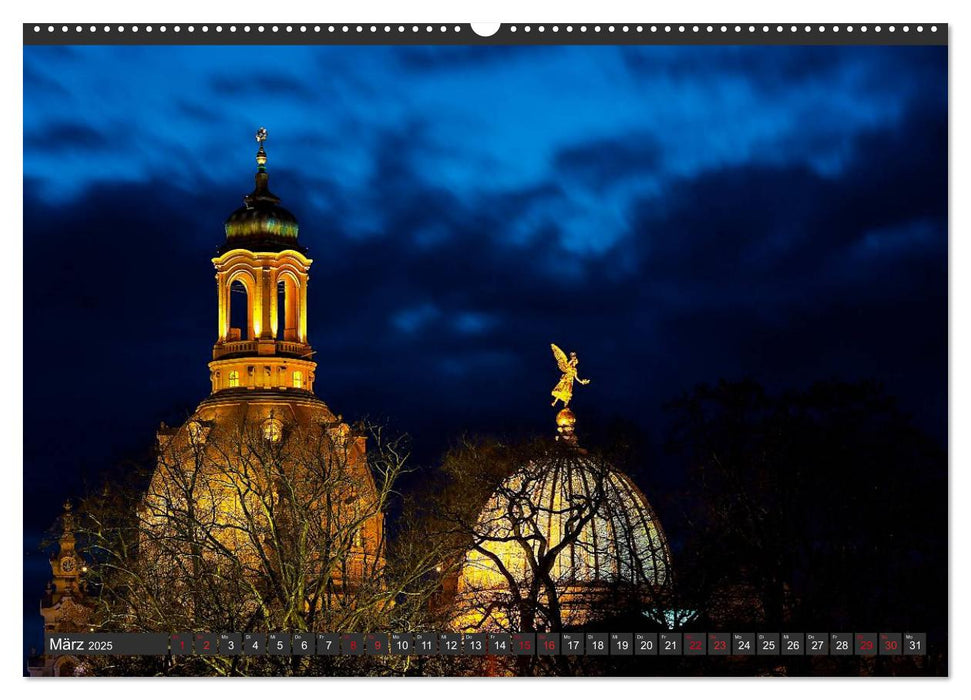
[513, 350]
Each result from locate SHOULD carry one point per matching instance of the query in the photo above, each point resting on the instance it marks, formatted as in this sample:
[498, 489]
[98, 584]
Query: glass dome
[570, 520]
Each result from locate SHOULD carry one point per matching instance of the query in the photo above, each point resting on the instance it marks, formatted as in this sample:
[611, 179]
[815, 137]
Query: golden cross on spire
[261, 154]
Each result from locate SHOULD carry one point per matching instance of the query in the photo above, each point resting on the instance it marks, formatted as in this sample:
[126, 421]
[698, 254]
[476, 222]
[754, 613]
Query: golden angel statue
[563, 391]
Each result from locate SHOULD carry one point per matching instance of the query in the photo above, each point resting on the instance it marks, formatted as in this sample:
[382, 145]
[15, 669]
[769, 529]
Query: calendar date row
[497, 644]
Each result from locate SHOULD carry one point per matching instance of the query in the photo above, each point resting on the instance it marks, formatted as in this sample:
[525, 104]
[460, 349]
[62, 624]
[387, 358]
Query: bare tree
[545, 537]
[250, 527]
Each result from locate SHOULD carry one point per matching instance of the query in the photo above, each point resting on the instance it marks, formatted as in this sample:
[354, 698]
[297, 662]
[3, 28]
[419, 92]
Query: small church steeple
[64, 606]
[65, 563]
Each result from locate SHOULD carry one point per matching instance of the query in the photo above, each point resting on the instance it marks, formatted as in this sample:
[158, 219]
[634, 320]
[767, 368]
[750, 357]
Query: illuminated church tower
[262, 261]
[262, 454]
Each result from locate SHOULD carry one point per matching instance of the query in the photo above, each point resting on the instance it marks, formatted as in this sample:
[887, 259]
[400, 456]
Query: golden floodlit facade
[224, 463]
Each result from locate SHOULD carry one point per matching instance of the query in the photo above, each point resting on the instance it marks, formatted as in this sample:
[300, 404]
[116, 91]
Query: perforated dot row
[289, 28]
[725, 28]
[460, 29]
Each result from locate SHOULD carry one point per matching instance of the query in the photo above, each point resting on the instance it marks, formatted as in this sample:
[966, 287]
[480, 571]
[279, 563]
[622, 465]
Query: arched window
[297, 379]
[240, 313]
[287, 308]
[234, 378]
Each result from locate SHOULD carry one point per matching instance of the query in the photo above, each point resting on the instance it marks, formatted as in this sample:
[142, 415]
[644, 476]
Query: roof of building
[261, 224]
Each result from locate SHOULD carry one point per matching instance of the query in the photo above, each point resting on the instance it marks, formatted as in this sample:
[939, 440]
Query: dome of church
[575, 514]
[240, 447]
[622, 541]
[261, 224]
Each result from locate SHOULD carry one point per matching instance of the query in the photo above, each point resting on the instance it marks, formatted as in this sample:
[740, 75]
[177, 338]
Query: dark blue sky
[673, 214]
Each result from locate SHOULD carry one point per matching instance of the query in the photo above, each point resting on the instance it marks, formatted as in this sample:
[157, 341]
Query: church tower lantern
[261, 280]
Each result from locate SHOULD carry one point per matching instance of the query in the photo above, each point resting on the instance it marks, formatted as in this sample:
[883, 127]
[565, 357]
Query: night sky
[672, 214]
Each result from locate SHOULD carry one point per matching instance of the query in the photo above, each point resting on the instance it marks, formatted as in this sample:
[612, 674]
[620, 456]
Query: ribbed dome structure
[261, 224]
[574, 519]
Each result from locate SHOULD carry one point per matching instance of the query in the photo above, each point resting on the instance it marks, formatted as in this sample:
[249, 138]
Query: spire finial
[261, 154]
[67, 522]
[565, 426]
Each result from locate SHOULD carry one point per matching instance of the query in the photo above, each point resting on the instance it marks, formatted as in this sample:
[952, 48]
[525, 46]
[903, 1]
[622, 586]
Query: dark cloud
[43, 83]
[763, 66]
[443, 270]
[198, 111]
[68, 136]
[450, 58]
[601, 163]
[266, 85]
